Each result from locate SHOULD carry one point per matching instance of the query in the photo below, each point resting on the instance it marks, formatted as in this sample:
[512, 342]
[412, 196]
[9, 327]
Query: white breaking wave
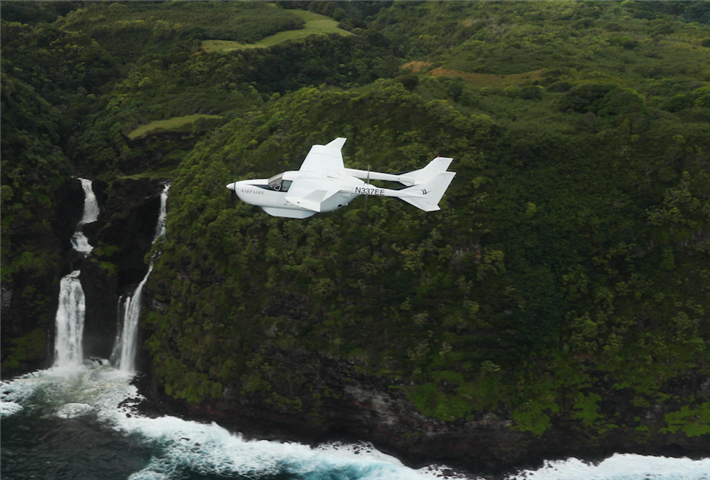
[72, 410]
[65, 392]
[210, 449]
[621, 467]
[183, 446]
[190, 446]
[9, 408]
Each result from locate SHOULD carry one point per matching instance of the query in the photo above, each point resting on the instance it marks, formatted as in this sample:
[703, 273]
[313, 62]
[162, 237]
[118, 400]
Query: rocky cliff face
[373, 409]
[361, 407]
[122, 237]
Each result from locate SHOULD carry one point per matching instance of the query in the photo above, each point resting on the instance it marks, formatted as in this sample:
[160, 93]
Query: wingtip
[337, 143]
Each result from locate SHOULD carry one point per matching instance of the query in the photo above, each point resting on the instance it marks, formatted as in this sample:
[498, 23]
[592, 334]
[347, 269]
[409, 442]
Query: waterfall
[91, 213]
[124, 348]
[160, 227]
[123, 355]
[70, 322]
[91, 207]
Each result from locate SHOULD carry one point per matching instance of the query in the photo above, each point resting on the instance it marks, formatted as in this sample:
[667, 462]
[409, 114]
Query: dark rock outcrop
[372, 409]
[122, 236]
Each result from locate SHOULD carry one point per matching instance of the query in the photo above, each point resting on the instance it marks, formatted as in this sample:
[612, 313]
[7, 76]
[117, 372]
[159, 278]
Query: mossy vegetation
[30, 348]
[241, 21]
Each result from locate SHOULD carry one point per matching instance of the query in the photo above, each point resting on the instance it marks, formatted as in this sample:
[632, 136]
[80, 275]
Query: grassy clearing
[224, 46]
[168, 124]
[316, 24]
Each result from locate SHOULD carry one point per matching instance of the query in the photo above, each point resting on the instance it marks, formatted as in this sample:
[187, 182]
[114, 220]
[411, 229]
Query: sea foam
[621, 467]
[183, 447]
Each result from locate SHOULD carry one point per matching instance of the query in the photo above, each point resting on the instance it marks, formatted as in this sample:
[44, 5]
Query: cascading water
[123, 355]
[68, 351]
[160, 227]
[70, 322]
[124, 348]
[91, 214]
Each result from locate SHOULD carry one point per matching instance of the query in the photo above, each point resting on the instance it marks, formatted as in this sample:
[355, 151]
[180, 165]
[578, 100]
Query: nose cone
[238, 188]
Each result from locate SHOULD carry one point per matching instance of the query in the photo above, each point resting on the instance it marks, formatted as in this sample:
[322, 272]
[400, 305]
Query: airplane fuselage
[272, 197]
[323, 184]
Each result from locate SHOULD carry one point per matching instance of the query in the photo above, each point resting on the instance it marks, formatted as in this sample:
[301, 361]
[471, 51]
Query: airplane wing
[309, 193]
[325, 158]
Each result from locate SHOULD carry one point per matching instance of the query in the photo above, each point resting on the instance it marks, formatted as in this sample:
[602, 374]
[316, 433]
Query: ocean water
[80, 422]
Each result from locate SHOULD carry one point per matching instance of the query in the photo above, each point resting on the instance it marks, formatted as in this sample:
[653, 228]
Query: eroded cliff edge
[360, 407]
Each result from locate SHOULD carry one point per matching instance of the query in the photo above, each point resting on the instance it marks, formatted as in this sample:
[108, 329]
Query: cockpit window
[275, 182]
[279, 184]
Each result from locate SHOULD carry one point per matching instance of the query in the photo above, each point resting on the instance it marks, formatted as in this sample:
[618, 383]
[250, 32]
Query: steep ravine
[121, 238]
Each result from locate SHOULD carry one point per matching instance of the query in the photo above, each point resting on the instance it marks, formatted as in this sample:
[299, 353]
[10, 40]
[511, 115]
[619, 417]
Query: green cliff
[561, 292]
[545, 287]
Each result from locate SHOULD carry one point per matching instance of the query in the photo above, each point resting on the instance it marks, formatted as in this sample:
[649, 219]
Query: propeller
[234, 192]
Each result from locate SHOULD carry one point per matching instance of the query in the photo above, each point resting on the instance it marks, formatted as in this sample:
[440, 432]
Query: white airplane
[323, 184]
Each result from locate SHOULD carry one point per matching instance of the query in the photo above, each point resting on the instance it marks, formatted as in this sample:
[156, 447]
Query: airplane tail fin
[415, 177]
[426, 196]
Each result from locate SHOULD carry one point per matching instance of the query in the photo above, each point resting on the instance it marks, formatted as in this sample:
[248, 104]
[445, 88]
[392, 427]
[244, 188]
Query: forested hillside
[563, 287]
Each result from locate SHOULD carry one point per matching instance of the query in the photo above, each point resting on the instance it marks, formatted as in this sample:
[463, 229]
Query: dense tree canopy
[570, 259]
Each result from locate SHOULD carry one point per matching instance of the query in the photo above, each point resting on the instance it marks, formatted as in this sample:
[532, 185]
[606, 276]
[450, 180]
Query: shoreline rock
[488, 448]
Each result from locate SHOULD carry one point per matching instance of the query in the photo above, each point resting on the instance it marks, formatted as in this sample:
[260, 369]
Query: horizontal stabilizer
[439, 164]
[426, 196]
